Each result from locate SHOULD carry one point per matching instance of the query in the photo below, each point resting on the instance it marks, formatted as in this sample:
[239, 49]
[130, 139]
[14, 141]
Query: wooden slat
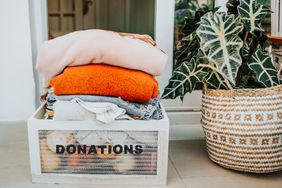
[78, 15]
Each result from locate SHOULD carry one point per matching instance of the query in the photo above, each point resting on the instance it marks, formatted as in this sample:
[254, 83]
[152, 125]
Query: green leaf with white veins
[184, 79]
[261, 63]
[220, 42]
[251, 14]
[215, 81]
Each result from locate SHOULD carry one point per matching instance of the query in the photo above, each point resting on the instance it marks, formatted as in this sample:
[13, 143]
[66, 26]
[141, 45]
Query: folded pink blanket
[98, 46]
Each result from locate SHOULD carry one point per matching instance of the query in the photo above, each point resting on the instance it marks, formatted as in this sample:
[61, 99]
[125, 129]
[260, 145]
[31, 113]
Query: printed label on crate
[99, 152]
[95, 149]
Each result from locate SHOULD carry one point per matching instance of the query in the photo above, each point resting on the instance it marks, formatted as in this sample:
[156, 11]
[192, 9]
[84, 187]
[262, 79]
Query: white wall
[164, 31]
[17, 96]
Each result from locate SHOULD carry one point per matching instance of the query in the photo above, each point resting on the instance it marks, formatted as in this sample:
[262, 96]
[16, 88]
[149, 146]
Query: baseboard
[12, 122]
[185, 125]
[186, 132]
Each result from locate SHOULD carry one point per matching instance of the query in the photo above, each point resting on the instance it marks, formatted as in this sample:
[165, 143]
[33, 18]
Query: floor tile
[243, 181]
[15, 169]
[172, 183]
[189, 166]
[191, 160]
[13, 133]
[196, 170]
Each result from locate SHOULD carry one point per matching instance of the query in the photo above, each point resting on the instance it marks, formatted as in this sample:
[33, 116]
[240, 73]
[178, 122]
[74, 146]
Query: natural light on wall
[17, 96]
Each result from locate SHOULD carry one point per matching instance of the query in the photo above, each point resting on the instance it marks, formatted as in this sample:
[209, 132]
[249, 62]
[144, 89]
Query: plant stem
[214, 69]
[218, 77]
[245, 38]
[244, 65]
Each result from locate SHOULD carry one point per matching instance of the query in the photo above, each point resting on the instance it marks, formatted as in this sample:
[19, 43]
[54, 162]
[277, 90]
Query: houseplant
[242, 100]
[188, 13]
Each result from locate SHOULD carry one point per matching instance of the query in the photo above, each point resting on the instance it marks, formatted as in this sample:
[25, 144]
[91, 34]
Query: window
[65, 16]
[185, 10]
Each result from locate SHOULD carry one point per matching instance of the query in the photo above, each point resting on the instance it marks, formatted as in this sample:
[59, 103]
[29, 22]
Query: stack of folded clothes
[102, 75]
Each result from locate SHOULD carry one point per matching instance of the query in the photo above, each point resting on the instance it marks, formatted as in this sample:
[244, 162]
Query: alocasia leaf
[215, 81]
[191, 24]
[251, 14]
[261, 63]
[218, 33]
[185, 49]
[184, 79]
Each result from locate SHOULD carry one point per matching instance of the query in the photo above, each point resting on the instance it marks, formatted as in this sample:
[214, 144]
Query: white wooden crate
[136, 152]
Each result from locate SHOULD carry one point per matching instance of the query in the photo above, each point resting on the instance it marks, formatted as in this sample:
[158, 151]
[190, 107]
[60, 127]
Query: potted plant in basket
[242, 95]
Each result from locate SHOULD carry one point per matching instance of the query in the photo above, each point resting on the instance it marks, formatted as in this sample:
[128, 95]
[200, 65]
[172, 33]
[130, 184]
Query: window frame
[276, 24]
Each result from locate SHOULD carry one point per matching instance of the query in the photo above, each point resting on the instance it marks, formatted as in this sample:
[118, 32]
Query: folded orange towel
[106, 80]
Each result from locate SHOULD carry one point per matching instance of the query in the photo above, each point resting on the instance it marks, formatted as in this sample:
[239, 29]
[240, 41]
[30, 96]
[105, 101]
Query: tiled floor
[189, 167]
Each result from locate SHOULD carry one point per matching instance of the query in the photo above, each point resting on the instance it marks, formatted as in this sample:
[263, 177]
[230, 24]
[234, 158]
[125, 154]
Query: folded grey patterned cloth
[143, 111]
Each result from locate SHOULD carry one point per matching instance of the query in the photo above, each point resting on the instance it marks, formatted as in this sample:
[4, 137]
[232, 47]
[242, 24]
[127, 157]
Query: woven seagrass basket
[243, 128]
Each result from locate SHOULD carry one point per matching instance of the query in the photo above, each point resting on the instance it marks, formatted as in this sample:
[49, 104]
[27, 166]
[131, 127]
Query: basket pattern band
[243, 128]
